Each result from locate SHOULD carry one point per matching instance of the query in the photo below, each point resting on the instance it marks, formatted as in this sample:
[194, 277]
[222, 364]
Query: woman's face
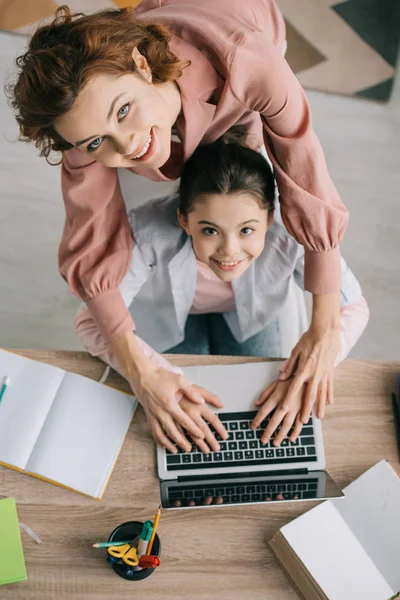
[228, 232]
[123, 121]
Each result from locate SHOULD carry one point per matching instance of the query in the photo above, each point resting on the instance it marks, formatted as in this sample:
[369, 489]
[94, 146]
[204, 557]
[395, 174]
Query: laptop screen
[248, 489]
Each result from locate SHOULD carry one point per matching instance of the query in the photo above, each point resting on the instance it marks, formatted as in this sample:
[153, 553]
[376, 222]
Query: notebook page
[82, 435]
[371, 509]
[334, 557]
[25, 405]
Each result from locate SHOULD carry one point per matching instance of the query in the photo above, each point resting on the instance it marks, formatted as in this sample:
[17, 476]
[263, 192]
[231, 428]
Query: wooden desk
[207, 554]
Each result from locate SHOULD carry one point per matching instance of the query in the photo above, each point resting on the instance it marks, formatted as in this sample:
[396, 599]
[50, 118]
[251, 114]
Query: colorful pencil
[155, 525]
[109, 544]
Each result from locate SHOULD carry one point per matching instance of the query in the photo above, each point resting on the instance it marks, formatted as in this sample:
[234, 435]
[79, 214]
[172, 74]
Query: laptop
[244, 471]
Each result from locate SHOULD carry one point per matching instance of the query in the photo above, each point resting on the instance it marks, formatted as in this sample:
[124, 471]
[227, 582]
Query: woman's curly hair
[65, 54]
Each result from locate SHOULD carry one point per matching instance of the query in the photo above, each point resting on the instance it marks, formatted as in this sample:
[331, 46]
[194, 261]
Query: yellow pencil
[153, 535]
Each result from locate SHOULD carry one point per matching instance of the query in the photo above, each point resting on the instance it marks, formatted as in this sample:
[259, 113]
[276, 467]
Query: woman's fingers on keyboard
[310, 398]
[209, 397]
[331, 398]
[274, 422]
[159, 435]
[285, 428]
[175, 434]
[265, 410]
[210, 438]
[202, 445]
[298, 426]
[322, 398]
[267, 393]
[214, 420]
[187, 423]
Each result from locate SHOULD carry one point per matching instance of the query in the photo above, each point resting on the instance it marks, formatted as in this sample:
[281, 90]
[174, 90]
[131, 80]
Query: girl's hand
[203, 416]
[273, 400]
[159, 392]
[312, 361]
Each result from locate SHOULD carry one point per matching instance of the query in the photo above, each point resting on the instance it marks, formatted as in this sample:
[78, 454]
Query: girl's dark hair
[224, 167]
[65, 54]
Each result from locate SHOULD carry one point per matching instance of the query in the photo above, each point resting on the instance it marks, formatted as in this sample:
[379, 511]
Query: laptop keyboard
[240, 493]
[243, 447]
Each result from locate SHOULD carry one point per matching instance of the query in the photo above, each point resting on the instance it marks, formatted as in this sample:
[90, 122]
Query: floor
[361, 140]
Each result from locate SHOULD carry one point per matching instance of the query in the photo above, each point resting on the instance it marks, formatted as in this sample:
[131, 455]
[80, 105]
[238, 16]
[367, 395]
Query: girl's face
[228, 232]
[123, 121]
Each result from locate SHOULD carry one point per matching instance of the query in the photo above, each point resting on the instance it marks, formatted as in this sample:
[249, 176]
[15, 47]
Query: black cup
[128, 531]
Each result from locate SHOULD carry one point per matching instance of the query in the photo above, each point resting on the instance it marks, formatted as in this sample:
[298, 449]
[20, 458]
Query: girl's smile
[227, 231]
[227, 265]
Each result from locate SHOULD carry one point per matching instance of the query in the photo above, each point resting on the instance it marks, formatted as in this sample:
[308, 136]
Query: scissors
[127, 553]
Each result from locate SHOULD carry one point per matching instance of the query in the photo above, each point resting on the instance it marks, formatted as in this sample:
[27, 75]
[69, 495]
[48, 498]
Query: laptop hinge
[202, 477]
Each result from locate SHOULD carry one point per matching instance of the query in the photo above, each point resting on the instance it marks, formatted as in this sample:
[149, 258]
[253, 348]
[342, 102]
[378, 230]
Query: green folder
[12, 563]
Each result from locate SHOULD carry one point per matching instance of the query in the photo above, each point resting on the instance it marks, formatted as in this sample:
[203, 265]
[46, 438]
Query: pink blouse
[237, 75]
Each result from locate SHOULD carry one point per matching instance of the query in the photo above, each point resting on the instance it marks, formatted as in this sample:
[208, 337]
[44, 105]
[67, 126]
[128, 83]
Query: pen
[6, 382]
[109, 544]
[155, 525]
[396, 412]
[145, 536]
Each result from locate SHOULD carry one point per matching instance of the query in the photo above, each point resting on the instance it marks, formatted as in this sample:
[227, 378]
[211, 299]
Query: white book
[60, 426]
[348, 548]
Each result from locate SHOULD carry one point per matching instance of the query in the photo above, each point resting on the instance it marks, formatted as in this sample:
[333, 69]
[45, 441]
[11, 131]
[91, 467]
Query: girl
[222, 271]
[141, 91]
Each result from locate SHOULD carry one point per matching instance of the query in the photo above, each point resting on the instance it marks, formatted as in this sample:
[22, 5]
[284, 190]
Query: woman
[117, 90]
[223, 275]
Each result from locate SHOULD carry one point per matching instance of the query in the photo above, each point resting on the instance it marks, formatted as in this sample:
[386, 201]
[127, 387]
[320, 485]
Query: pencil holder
[128, 531]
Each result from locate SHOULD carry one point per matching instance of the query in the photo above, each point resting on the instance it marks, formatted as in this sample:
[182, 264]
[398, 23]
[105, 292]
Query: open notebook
[60, 426]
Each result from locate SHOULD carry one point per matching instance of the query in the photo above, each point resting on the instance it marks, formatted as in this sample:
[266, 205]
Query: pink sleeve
[353, 320]
[312, 210]
[96, 244]
[91, 338]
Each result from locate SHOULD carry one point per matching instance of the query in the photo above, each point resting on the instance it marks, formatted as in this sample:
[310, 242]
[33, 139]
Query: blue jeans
[210, 334]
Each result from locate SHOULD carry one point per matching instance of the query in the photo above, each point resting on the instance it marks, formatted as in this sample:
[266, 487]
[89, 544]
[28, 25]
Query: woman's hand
[313, 359]
[161, 392]
[272, 400]
[203, 416]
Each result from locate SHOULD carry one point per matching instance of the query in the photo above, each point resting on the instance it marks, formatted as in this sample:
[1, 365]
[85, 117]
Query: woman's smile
[147, 150]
